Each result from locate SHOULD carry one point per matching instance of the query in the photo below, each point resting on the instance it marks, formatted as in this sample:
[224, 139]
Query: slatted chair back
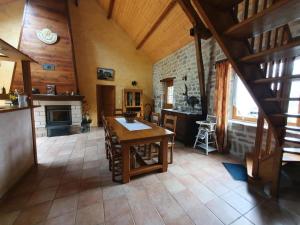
[155, 118]
[118, 112]
[170, 122]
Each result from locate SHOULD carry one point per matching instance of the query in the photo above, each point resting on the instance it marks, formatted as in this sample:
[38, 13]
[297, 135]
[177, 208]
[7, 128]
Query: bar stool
[207, 135]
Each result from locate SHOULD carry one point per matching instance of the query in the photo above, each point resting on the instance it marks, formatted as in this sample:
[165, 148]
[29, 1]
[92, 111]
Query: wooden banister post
[258, 144]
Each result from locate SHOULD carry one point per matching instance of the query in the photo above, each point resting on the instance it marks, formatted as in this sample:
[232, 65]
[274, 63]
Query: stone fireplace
[57, 112]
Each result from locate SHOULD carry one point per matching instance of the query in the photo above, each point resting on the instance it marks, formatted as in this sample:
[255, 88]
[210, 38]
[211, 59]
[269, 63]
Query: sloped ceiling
[137, 17]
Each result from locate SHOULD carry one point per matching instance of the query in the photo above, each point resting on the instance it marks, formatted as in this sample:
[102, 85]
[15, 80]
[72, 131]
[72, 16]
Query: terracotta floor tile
[42, 196]
[67, 189]
[144, 213]
[90, 197]
[63, 205]
[117, 211]
[34, 214]
[242, 221]
[66, 219]
[237, 202]
[90, 215]
[223, 211]
[202, 193]
[195, 190]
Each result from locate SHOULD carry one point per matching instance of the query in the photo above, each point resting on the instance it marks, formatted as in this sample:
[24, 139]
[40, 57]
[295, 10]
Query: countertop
[5, 109]
[183, 112]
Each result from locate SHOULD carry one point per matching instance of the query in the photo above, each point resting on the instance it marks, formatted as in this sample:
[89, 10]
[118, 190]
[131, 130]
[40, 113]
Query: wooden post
[28, 91]
[258, 143]
[201, 73]
[126, 163]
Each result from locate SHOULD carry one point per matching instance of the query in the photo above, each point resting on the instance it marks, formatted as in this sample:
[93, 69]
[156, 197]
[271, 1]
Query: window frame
[168, 83]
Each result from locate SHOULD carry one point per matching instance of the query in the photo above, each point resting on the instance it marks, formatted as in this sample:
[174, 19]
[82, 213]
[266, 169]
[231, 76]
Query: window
[294, 106]
[170, 95]
[244, 108]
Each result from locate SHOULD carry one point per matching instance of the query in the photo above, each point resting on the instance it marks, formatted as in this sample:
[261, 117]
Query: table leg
[163, 154]
[126, 162]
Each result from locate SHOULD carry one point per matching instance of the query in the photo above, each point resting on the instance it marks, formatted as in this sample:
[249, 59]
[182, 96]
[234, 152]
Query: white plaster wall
[16, 149]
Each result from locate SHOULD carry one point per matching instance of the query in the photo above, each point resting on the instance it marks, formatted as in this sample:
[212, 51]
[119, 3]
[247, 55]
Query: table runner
[132, 126]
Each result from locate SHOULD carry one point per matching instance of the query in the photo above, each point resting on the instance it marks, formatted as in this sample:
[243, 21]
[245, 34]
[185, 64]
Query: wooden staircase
[255, 37]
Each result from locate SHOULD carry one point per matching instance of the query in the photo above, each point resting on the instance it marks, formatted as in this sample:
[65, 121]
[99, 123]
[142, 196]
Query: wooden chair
[155, 118]
[169, 124]
[118, 112]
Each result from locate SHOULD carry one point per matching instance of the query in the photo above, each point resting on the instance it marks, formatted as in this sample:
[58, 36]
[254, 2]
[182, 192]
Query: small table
[129, 138]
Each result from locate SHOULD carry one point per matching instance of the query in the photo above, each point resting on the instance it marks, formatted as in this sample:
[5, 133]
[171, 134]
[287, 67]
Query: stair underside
[289, 50]
[277, 15]
[277, 79]
[292, 150]
[290, 157]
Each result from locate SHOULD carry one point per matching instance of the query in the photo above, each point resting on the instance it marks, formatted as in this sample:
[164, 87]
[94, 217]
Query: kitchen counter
[186, 127]
[5, 109]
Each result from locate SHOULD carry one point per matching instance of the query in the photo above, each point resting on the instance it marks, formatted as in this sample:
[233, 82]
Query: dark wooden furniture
[133, 101]
[45, 97]
[186, 127]
[127, 139]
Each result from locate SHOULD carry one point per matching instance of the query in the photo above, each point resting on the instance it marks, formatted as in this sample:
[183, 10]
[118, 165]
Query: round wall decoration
[47, 36]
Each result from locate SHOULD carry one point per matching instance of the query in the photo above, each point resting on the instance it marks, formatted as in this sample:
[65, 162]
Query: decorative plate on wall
[47, 36]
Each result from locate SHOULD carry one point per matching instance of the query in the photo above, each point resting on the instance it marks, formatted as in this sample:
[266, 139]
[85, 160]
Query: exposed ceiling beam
[110, 9]
[223, 4]
[167, 10]
[198, 25]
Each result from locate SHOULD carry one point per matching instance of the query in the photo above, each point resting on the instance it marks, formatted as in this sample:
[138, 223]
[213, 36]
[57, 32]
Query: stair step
[286, 115]
[276, 79]
[292, 140]
[292, 150]
[277, 15]
[281, 99]
[290, 157]
[293, 128]
[289, 50]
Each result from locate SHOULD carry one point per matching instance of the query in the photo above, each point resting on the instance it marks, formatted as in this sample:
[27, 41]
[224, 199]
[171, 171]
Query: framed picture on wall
[105, 74]
[51, 89]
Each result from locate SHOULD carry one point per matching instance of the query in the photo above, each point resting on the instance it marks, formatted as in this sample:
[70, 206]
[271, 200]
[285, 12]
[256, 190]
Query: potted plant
[13, 97]
[86, 120]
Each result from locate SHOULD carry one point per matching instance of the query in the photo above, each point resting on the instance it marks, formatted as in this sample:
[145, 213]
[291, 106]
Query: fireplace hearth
[58, 120]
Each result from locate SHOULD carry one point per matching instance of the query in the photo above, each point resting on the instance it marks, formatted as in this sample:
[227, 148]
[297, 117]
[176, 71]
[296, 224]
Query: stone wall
[241, 136]
[183, 63]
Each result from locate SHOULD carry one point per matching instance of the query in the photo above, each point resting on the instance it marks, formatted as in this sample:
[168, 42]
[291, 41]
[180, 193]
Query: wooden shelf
[277, 15]
[7, 109]
[42, 97]
[290, 50]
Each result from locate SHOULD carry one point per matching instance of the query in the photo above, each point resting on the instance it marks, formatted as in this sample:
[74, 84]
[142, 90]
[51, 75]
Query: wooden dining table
[128, 138]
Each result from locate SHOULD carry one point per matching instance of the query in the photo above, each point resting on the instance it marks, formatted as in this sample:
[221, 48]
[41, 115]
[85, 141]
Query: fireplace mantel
[42, 97]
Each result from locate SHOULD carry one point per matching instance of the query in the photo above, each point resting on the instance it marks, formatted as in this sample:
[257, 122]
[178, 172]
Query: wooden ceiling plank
[157, 23]
[110, 9]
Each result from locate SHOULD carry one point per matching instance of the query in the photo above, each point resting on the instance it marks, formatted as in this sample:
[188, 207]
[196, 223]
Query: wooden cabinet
[186, 128]
[133, 100]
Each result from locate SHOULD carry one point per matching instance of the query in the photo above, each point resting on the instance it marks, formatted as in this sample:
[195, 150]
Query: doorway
[106, 97]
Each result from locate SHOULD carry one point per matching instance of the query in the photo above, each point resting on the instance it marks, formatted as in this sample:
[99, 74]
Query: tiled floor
[72, 185]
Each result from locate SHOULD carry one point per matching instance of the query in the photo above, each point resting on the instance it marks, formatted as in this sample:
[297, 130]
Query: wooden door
[106, 96]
